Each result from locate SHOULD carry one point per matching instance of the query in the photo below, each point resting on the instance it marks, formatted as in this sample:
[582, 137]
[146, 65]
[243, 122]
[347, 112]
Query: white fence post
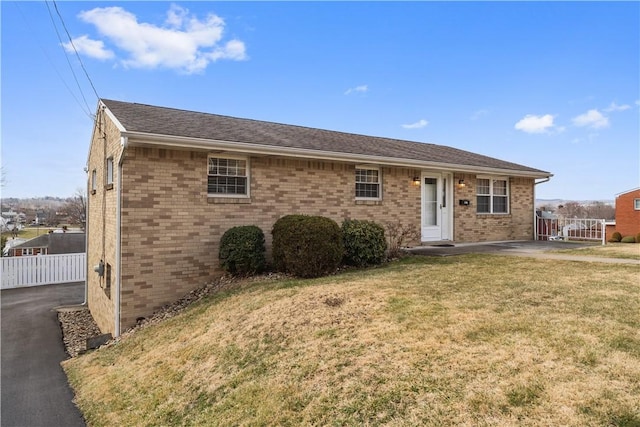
[24, 271]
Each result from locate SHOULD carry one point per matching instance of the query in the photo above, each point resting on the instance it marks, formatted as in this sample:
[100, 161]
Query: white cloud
[593, 119]
[535, 124]
[615, 107]
[360, 89]
[417, 125]
[185, 43]
[479, 114]
[86, 46]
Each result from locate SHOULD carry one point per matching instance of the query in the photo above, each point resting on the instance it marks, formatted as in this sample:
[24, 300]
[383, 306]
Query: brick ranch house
[165, 184]
[627, 221]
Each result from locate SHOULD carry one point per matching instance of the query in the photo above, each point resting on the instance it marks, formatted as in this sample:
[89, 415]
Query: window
[93, 182]
[110, 172]
[492, 195]
[636, 204]
[368, 183]
[227, 177]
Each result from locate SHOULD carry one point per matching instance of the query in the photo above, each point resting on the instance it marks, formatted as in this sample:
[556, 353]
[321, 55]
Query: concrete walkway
[35, 391]
[524, 248]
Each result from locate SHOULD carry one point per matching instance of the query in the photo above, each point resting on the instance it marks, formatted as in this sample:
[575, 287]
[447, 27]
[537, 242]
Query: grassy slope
[471, 340]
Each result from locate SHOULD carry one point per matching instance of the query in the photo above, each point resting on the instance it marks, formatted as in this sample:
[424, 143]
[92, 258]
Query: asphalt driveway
[34, 387]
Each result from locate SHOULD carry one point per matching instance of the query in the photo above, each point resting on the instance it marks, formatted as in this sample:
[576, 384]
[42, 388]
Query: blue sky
[555, 86]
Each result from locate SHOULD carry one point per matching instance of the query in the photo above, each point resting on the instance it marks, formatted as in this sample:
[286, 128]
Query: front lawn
[611, 250]
[470, 340]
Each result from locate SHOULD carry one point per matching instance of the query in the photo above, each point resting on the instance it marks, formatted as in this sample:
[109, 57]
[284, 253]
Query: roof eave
[210, 145]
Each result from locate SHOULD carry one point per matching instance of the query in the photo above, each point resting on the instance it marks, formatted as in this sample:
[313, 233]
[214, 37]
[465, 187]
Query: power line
[75, 50]
[88, 111]
[53, 65]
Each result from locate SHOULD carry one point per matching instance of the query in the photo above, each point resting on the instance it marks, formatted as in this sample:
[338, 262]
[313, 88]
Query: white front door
[436, 207]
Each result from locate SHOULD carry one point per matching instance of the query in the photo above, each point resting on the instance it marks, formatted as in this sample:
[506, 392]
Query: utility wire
[53, 65]
[75, 50]
[88, 111]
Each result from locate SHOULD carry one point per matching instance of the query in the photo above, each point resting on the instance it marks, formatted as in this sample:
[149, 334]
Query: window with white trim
[368, 183]
[110, 172]
[228, 177]
[492, 195]
[94, 183]
[636, 204]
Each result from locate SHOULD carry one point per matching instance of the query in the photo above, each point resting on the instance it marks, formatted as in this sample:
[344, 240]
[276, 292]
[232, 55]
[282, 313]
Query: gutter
[86, 240]
[124, 143]
[144, 139]
[535, 217]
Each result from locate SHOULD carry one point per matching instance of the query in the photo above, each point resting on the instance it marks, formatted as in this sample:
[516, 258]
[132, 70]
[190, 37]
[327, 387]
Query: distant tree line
[596, 210]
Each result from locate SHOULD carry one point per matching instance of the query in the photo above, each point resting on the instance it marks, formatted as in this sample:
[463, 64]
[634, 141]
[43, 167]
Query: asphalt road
[34, 387]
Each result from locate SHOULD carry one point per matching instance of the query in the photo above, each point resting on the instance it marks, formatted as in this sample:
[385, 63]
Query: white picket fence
[24, 271]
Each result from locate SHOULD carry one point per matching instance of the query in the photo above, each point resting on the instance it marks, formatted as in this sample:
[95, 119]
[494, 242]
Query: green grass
[610, 250]
[469, 340]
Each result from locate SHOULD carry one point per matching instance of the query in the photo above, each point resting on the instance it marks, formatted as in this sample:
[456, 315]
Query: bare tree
[76, 208]
[600, 210]
[572, 210]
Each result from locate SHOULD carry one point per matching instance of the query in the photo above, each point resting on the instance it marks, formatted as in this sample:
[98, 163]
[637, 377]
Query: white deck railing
[24, 271]
[570, 229]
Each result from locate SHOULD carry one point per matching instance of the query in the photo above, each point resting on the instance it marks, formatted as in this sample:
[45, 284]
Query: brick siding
[470, 226]
[171, 229]
[627, 218]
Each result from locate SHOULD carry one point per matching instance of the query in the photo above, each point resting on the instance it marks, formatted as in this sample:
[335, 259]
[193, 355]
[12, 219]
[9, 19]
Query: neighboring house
[11, 242]
[51, 244]
[41, 218]
[165, 184]
[627, 214]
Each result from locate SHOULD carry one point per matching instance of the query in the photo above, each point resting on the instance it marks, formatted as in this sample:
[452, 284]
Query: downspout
[123, 143]
[535, 217]
[86, 240]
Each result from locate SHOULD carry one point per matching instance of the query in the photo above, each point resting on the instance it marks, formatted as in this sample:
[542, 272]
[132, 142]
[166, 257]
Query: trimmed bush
[307, 246]
[628, 239]
[364, 242]
[242, 250]
[615, 237]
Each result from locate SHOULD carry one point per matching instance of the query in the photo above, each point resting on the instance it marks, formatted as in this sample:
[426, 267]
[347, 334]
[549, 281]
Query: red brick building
[628, 213]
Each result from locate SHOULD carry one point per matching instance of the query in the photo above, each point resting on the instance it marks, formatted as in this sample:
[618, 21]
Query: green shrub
[307, 246]
[638, 238]
[628, 239]
[364, 242]
[242, 250]
[615, 237]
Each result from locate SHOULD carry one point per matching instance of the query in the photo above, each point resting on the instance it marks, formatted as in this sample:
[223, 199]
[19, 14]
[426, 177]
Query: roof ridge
[279, 123]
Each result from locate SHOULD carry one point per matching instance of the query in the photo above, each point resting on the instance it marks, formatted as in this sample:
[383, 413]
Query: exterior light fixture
[416, 180]
[461, 184]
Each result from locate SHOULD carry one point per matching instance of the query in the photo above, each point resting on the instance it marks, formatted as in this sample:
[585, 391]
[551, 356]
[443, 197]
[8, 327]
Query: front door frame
[443, 230]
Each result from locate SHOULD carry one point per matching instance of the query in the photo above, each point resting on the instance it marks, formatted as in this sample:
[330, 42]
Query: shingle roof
[58, 243]
[149, 119]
